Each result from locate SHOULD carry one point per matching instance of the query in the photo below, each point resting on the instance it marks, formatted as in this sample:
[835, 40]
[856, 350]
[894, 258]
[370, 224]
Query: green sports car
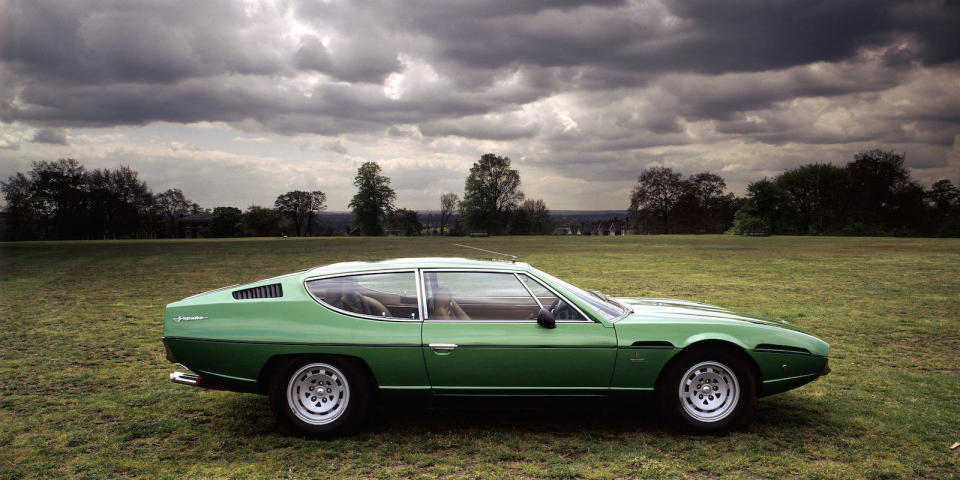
[323, 342]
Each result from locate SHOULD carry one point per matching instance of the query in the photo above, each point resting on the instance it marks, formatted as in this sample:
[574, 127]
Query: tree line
[872, 195]
[492, 204]
[62, 200]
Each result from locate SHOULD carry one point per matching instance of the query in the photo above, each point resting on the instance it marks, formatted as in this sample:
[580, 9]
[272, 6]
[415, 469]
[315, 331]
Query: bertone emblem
[188, 319]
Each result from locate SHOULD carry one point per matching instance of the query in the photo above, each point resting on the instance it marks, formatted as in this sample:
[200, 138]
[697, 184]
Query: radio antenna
[513, 258]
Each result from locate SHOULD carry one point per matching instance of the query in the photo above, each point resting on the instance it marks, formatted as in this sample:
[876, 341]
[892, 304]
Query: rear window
[384, 295]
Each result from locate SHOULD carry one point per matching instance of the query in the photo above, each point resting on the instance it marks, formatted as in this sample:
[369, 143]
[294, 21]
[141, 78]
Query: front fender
[712, 336]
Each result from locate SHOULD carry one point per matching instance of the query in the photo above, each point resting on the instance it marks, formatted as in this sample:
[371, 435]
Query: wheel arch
[714, 343]
[270, 368]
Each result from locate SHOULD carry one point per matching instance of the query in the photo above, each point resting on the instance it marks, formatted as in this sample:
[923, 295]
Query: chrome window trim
[626, 311]
[525, 287]
[586, 318]
[421, 296]
[515, 273]
[360, 315]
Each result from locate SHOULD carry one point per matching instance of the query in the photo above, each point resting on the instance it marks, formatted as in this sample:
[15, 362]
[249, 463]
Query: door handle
[443, 347]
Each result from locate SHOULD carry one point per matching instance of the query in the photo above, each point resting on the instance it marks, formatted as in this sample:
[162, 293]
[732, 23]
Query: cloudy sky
[236, 102]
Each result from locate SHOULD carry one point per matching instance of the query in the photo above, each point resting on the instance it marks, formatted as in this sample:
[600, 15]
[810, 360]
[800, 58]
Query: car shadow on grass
[776, 415]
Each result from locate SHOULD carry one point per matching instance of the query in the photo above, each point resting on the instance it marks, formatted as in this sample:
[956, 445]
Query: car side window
[386, 295]
[491, 296]
[559, 308]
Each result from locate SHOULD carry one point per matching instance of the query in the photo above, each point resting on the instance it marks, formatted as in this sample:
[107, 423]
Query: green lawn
[84, 389]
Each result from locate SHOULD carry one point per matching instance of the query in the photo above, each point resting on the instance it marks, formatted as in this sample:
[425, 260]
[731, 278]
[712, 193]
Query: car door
[480, 334]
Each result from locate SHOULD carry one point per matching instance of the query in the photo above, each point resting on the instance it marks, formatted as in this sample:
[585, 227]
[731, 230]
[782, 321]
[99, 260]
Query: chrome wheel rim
[709, 391]
[318, 393]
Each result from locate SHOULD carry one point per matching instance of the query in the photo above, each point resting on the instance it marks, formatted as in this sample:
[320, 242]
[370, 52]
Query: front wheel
[320, 397]
[708, 390]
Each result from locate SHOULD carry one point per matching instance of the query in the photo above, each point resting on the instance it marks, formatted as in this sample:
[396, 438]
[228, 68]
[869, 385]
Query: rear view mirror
[545, 319]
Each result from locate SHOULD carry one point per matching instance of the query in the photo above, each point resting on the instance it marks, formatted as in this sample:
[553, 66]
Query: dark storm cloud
[127, 58]
[84, 42]
[682, 36]
[360, 60]
[574, 81]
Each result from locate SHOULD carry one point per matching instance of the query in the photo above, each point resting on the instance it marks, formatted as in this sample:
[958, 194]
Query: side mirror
[545, 319]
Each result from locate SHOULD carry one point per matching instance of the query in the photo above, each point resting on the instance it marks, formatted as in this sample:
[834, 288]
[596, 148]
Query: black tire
[687, 388]
[337, 410]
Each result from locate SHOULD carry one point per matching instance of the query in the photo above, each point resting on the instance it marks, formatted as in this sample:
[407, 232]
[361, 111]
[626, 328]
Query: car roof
[419, 262]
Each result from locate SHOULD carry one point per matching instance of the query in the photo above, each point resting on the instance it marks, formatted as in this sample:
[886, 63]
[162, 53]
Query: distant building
[606, 228]
[194, 226]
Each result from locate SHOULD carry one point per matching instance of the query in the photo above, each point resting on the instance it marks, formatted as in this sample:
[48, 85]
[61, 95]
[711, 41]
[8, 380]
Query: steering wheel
[563, 311]
[553, 306]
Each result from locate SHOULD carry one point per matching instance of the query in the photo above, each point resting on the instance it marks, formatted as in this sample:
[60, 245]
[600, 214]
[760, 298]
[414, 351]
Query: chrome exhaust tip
[185, 379]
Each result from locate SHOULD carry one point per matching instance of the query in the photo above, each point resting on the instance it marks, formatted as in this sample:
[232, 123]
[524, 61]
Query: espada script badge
[179, 319]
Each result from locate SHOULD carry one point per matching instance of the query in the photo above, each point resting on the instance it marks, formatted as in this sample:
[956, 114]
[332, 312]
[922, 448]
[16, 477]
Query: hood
[645, 309]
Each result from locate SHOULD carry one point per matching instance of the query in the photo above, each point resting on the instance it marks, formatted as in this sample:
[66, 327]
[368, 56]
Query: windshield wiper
[598, 294]
[624, 307]
[608, 299]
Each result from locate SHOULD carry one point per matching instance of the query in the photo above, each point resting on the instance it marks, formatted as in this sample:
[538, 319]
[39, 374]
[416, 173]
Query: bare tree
[301, 206]
[448, 203]
[658, 191]
[172, 203]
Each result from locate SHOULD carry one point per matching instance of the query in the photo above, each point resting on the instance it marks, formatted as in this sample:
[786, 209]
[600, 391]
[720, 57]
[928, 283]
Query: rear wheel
[319, 396]
[708, 390]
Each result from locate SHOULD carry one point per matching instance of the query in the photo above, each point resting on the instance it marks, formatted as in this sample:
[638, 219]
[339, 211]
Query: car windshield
[601, 303]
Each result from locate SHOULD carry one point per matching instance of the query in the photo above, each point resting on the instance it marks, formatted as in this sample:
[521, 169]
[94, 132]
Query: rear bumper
[167, 350]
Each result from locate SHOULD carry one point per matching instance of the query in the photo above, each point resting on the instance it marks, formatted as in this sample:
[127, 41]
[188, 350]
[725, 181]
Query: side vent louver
[264, 291]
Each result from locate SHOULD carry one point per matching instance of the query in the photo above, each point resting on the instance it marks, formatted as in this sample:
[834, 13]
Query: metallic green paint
[237, 339]
[519, 354]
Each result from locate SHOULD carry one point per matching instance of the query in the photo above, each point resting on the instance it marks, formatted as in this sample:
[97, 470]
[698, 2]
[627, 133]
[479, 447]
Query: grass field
[84, 390]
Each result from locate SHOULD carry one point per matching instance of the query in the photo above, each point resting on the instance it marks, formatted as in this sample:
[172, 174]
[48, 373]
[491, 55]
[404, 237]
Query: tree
[404, 221]
[944, 200]
[491, 192]
[373, 200]
[885, 194]
[767, 199]
[170, 206]
[943, 195]
[63, 200]
[657, 193]
[119, 203]
[300, 207]
[20, 218]
[763, 209]
[531, 218]
[703, 207]
[261, 222]
[226, 222]
[172, 203]
[58, 195]
[448, 202]
[815, 196]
